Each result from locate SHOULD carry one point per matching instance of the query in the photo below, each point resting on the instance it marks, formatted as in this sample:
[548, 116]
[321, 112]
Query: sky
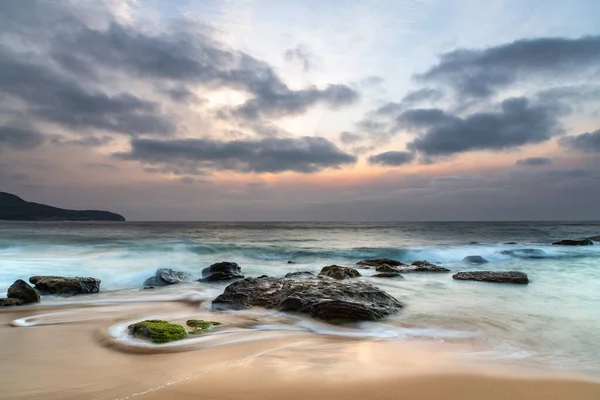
[396, 110]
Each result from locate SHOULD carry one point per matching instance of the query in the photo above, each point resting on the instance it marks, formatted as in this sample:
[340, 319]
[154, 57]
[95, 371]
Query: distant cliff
[14, 208]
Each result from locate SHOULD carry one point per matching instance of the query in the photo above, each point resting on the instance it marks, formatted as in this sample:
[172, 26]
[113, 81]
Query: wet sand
[72, 356]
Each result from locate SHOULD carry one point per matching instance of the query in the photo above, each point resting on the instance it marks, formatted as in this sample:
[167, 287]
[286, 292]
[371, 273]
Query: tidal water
[553, 322]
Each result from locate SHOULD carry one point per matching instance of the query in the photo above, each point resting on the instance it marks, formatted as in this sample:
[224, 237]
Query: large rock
[157, 331]
[379, 262]
[327, 299]
[525, 253]
[22, 291]
[567, 242]
[422, 266]
[337, 272]
[475, 260]
[493, 276]
[387, 269]
[167, 276]
[65, 286]
[222, 271]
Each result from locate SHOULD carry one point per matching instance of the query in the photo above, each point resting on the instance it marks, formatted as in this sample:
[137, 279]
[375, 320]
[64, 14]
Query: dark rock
[493, 276]
[525, 253]
[422, 266]
[157, 331]
[11, 302]
[222, 271]
[22, 291]
[475, 260]
[388, 275]
[378, 262]
[386, 268]
[473, 242]
[167, 276]
[65, 286]
[337, 272]
[510, 243]
[299, 274]
[291, 262]
[325, 299]
[567, 242]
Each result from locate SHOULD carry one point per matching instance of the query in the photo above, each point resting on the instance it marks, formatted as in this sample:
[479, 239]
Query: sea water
[554, 321]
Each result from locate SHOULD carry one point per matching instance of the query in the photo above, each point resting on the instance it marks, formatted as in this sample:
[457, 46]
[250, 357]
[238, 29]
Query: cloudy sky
[305, 110]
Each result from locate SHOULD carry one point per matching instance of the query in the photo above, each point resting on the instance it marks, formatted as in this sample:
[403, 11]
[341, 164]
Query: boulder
[167, 276]
[567, 242]
[11, 302]
[387, 269]
[291, 262]
[201, 326]
[157, 331]
[475, 260]
[222, 271]
[299, 274]
[65, 286]
[326, 299]
[422, 266]
[524, 253]
[337, 272]
[22, 291]
[510, 243]
[493, 276]
[378, 262]
[388, 275]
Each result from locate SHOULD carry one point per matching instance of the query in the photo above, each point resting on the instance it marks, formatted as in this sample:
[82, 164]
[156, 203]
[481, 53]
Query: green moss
[157, 331]
[200, 326]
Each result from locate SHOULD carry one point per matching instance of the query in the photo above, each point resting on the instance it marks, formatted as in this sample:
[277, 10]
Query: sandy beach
[70, 354]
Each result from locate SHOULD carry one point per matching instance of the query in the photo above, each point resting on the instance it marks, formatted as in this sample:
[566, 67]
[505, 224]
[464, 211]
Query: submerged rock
[157, 331]
[65, 286]
[388, 275]
[568, 242]
[22, 291]
[475, 260]
[222, 271]
[299, 274]
[422, 266]
[493, 276]
[525, 253]
[378, 262]
[337, 272]
[325, 299]
[167, 276]
[201, 326]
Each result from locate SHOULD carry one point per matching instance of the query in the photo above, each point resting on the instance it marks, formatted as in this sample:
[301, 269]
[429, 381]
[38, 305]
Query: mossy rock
[157, 331]
[200, 325]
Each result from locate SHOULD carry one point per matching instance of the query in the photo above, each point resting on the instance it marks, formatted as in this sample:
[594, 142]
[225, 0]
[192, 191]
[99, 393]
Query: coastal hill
[14, 208]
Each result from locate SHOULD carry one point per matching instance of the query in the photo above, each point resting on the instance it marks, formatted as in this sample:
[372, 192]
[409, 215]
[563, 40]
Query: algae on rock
[157, 331]
[200, 326]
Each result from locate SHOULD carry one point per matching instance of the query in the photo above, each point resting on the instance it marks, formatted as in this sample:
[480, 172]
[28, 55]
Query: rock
[594, 238]
[22, 291]
[157, 331]
[222, 271]
[473, 242]
[11, 302]
[337, 272]
[422, 266]
[525, 253]
[65, 286]
[201, 326]
[567, 242]
[326, 299]
[493, 276]
[378, 262]
[291, 262]
[299, 274]
[386, 268]
[475, 260]
[510, 243]
[167, 276]
[388, 275]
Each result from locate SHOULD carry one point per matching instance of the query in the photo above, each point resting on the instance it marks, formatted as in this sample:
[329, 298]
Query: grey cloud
[100, 166]
[89, 141]
[421, 95]
[516, 124]
[534, 161]
[275, 155]
[588, 142]
[19, 138]
[181, 94]
[392, 158]
[479, 73]
[350, 137]
[301, 55]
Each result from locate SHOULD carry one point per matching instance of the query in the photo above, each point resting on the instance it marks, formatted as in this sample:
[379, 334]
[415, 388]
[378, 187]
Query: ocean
[554, 322]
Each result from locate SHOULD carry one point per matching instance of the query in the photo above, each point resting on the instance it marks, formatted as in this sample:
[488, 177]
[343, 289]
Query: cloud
[19, 138]
[301, 55]
[480, 73]
[421, 95]
[274, 155]
[534, 161]
[89, 141]
[517, 123]
[392, 158]
[588, 142]
[350, 137]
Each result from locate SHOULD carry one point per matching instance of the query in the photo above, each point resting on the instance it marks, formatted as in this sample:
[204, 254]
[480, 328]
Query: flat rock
[475, 260]
[326, 299]
[65, 286]
[167, 276]
[299, 274]
[388, 275]
[338, 272]
[422, 266]
[493, 276]
[22, 291]
[568, 242]
[222, 271]
[379, 262]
